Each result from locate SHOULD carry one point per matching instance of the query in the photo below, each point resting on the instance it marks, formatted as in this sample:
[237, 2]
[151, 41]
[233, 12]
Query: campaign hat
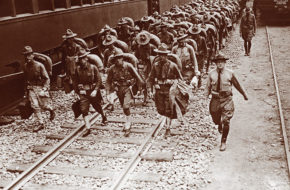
[69, 34]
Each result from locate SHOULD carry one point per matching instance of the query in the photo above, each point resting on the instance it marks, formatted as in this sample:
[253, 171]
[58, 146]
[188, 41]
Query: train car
[41, 24]
[280, 8]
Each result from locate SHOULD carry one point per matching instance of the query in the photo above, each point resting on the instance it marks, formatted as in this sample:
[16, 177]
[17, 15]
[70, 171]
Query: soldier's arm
[193, 59]
[44, 76]
[255, 24]
[98, 78]
[109, 80]
[134, 72]
[177, 72]
[238, 86]
[150, 80]
[207, 90]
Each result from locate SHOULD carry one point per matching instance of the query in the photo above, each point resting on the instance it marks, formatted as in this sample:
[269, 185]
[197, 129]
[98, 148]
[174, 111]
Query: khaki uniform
[167, 38]
[87, 80]
[162, 76]
[188, 61]
[248, 27]
[222, 105]
[121, 80]
[37, 86]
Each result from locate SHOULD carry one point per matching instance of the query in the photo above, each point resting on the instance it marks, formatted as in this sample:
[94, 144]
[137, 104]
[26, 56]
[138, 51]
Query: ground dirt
[255, 157]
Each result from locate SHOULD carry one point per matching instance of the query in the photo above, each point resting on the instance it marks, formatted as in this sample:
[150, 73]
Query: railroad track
[141, 140]
[285, 127]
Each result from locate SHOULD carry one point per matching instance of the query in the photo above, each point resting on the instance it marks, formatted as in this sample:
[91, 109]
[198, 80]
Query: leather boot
[87, 132]
[104, 120]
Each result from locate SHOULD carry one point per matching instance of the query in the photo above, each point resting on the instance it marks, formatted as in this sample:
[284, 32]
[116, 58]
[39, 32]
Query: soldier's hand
[94, 93]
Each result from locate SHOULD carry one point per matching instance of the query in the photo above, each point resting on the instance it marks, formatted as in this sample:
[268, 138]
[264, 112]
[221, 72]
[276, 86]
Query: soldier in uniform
[70, 48]
[202, 51]
[110, 49]
[37, 86]
[120, 79]
[165, 36]
[248, 30]
[88, 82]
[219, 85]
[163, 75]
[143, 52]
[187, 56]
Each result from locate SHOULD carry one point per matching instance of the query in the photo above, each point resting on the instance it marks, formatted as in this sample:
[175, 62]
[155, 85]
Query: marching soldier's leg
[227, 113]
[33, 98]
[215, 112]
[249, 46]
[246, 47]
[84, 107]
[96, 103]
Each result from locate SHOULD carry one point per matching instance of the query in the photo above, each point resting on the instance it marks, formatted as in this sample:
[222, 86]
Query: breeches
[86, 100]
[125, 97]
[221, 110]
[38, 102]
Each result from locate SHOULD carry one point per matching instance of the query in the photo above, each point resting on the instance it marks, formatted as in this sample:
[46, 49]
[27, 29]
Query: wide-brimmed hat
[112, 58]
[27, 50]
[143, 38]
[162, 49]
[83, 53]
[69, 34]
[195, 29]
[147, 19]
[181, 37]
[109, 39]
[123, 21]
[220, 57]
[167, 13]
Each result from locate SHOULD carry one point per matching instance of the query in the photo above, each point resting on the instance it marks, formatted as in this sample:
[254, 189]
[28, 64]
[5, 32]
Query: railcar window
[60, 3]
[23, 6]
[5, 8]
[44, 5]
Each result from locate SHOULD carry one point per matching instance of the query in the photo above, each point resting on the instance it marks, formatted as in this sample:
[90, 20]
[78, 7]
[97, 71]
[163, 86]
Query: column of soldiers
[165, 56]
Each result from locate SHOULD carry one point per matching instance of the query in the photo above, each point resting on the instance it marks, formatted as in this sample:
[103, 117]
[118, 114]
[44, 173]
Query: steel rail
[282, 120]
[124, 175]
[26, 175]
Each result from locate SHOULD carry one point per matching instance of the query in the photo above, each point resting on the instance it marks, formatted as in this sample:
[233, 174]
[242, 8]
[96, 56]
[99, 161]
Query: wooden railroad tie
[153, 156]
[88, 172]
[129, 140]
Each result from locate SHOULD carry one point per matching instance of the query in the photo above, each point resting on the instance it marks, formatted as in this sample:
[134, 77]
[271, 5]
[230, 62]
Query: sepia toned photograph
[144, 95]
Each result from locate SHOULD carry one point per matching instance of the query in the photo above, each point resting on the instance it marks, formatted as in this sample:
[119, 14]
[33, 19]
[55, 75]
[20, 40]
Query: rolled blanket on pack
[179, 95]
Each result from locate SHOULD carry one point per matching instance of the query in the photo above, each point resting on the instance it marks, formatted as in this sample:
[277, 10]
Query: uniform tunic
[167, 38]
[37, 80]
[188, 61]
[248, 27]
[163, 75]
[88, 79]
[222, 105]
[120, 79]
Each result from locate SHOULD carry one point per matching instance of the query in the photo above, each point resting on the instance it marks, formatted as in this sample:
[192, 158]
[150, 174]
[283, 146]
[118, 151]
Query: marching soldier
[70, 48]
[163, 75]
[37, 86]
[165, 36]
[202, 51]
[187, 56]
[88, 82]
[120, 79]
[143, 52]
[248, 30]
[219, 85]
